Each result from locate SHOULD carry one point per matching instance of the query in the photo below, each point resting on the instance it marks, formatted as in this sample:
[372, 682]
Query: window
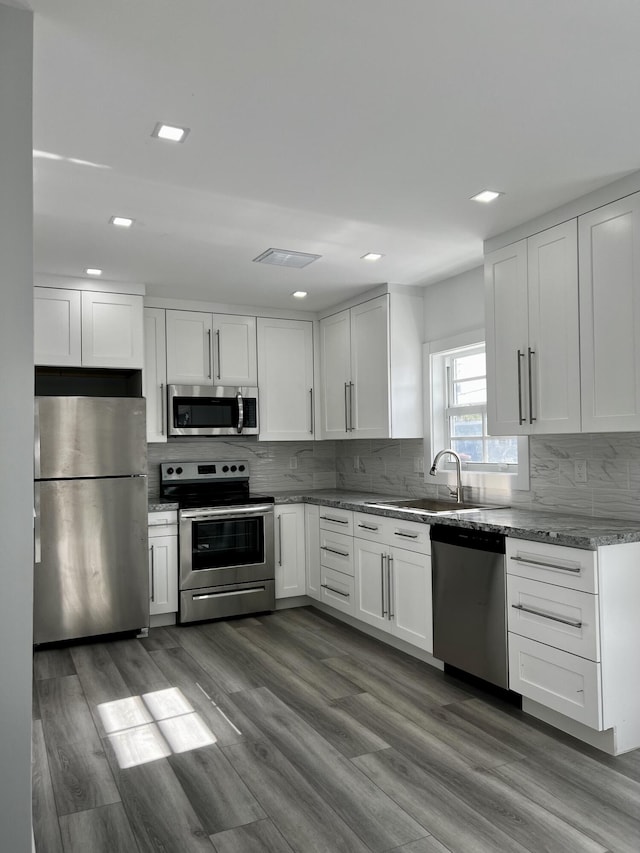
[456, 392]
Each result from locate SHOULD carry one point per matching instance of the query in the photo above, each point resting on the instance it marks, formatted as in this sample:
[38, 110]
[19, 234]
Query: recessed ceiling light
[299, 294]
[486, 196]
[285, 258]
[121, 221]
[93, 271]
[170, 132]
[372, 256]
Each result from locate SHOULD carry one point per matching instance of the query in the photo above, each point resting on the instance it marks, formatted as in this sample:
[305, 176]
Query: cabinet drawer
[570, 567]
[410, 535]
[336, 552]
[371, 527]
[565, 618]
[339, 520]
[566, 683]
[163, 524]
[338, 590]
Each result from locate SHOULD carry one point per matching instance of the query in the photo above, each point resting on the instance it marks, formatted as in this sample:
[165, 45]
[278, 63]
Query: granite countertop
[162, 506]
[553, 527]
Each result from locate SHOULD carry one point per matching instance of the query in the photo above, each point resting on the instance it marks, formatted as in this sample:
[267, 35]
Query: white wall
[16, 432]
[454, 305]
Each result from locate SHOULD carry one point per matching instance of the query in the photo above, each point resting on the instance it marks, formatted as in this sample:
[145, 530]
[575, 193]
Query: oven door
[212, 410]
[226, 545]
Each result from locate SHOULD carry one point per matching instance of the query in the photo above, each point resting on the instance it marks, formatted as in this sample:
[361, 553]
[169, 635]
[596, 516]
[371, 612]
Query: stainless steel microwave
[212, 410]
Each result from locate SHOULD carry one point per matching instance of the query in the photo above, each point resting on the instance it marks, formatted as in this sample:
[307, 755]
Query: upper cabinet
[370, 359]
[285, 379]
[532, 334]
[155, 373]
[87, 328]
[610, 316]
[211, 349]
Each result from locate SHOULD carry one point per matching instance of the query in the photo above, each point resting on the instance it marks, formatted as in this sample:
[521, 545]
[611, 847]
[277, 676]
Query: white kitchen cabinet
[532, 334]
[290, 550]
[285, 379]
[163, 563]
[57, 326]
[609, 240]
[154, 377]
[211, 349]
[312, 549]
[371, 373]
[393, 584]
[88, 328]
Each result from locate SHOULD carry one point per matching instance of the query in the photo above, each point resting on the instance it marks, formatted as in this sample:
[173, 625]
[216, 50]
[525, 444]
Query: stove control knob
[225, 468]
[169, 470]
[241, 468]
[178, 470]
[233, 467]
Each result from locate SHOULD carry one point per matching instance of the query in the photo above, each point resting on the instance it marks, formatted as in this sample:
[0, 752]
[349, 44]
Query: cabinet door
[154, 376]
[371, 574]
[312, 549]
[609, 264]
[369, 391]
[553, 353]
[234, 356]
[335, 366]
[285, 379]
[163, 574]
[411, 606]
[290, 551]
[56, 326]
[189, 348]
[505, 275]
[112, 330]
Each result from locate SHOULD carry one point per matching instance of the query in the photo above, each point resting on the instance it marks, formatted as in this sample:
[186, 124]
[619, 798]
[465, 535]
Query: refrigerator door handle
[36, 440]
[37, 544]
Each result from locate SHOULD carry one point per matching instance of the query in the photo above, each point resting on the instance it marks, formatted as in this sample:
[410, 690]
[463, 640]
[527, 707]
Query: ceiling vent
[283, 258]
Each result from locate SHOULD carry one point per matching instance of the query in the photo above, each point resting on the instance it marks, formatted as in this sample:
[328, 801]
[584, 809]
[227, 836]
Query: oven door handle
[225, 512]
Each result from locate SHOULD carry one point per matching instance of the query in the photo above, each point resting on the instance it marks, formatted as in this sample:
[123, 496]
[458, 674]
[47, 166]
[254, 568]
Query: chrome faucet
[457, 492]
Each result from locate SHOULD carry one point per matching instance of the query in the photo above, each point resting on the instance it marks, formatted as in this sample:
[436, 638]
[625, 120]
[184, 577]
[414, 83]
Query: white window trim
[497, 480]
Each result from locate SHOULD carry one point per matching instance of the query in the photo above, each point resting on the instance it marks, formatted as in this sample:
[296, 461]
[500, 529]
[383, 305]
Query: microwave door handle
[240, 412]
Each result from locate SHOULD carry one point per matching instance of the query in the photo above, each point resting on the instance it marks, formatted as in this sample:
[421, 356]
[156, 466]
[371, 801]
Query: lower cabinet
[336, 559]
[163, 563]
[290, 550]
[312, 550]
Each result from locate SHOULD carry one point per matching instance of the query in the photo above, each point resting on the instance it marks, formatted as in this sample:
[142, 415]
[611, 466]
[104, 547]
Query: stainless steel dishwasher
[469, 601]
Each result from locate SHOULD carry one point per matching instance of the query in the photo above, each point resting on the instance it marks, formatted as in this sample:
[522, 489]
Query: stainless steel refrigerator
[91, 569]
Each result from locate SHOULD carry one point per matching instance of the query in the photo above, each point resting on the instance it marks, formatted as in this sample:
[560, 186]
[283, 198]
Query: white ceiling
[336, 127]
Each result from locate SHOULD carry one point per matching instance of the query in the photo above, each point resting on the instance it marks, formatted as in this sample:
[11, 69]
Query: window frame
[500, 476]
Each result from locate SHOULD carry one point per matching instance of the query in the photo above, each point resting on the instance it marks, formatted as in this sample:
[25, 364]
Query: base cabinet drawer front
[566, 683]
[337, 520]
[336, 552]
[337, 590]
[564, 618]
[556, 564]
[371, 527]
[410, 535]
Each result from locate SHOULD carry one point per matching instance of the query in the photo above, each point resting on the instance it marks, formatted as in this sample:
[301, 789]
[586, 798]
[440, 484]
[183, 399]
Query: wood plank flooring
[294, 733]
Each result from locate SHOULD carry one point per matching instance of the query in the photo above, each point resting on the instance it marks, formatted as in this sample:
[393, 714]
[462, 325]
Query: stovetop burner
[211, 483]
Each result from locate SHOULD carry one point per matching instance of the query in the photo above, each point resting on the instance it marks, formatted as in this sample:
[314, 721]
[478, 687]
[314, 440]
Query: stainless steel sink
[429, 506]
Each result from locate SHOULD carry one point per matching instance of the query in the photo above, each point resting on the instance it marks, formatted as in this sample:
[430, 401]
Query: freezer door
[92, 577]
[90, 437]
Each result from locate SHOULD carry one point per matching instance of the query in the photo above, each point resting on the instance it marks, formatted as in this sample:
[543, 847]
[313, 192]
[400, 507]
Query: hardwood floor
[294, 733]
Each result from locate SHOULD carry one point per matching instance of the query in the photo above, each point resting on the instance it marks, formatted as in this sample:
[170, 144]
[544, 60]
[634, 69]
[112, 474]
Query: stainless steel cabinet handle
[279, 540]
[337, 591]
[37, 544]
[575, 623]
[218, 352]
[351, 426]
[209, 374]
[405, 535]
[367, 527]
[312, 418]
[346, 407]
[333, 551]
[530, 562]
[531, 418]
[382, 584]
[153, 573]
[163, 403]
[334, 520]
[390, 585]
[521, 418]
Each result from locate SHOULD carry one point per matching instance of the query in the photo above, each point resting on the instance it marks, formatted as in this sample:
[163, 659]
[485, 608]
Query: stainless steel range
[227, 565]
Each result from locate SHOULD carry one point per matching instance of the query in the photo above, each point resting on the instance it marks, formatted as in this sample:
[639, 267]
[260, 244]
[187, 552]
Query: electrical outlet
[293, 462]
[580, 470]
